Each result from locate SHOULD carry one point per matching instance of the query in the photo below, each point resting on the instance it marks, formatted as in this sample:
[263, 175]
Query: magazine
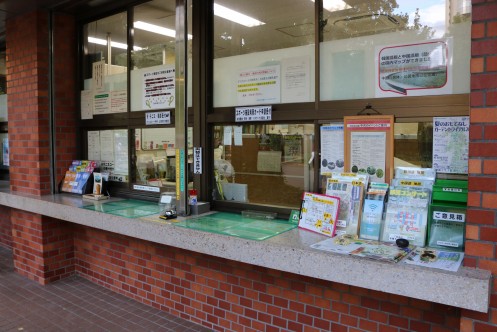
[372, 216]
[407, 215]
[350, 191]
[437, 259]
[350, 245]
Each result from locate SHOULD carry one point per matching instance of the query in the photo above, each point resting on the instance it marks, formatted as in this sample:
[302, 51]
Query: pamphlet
[319, 213]
[437, 259]
[350, 245]
[372, 216]
[350, 191]
[387, 252]
[407, 215]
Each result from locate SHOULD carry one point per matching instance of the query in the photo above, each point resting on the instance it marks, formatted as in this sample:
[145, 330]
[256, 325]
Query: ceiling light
[334, 5]
[235, 16]
[156, 29]
[112, 43]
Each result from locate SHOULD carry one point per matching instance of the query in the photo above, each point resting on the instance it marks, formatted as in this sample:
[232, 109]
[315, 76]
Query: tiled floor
[73, 305]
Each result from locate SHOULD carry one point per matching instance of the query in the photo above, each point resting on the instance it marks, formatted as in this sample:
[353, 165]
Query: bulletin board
[369, 146]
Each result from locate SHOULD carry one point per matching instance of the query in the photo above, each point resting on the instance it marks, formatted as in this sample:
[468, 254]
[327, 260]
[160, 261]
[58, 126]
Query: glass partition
[263, 164]
[153, 56]
[154, 160]
[263, 52]
[4, 139]
[413, 144]
[390, 48]
[3, 87]
[110, 149]
[104, 66]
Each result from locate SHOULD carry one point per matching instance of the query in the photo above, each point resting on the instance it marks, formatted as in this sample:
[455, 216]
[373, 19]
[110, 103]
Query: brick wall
[42, 247]
[481, 230]
[230, 296]
[28, 103]
[5, 227]
[65, 93]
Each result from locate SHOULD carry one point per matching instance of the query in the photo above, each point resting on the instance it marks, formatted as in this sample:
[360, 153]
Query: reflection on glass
[154, 163]
[263, 164]
[267, 55]
[105, 66]
[361, 36]
[153, 72]
[413, 144]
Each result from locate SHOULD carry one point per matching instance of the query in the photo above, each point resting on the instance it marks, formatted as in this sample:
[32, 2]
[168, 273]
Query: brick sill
[290, 252]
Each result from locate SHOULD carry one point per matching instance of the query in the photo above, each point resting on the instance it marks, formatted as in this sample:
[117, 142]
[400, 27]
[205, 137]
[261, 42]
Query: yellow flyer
[318, 213]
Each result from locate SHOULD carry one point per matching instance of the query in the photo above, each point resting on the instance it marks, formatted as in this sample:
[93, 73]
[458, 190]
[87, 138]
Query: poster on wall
[86, 104]
[118, 101]
[414, 70]
[158, 88]
[451, 144]
[259, 86]
[94, 145]
[101, 103]
[332, 156]
[98, 69]
[296, 81]
[368, 144]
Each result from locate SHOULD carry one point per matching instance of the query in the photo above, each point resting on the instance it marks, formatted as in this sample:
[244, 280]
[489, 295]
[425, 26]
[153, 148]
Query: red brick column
[481, 229]
[42, 247]
[5, 227]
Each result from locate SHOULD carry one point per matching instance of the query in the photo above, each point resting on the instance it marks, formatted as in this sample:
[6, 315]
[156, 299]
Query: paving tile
[77, 305]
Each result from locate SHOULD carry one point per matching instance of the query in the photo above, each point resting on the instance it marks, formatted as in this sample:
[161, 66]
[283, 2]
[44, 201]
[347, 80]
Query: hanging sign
[197, 160]
[256, 113]
[155, 118]
[146, 188]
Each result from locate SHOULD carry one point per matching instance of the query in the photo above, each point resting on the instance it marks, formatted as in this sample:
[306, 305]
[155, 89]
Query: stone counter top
[290, 252]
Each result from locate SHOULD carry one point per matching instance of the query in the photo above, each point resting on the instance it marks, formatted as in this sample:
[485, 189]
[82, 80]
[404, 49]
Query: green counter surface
[235, 225]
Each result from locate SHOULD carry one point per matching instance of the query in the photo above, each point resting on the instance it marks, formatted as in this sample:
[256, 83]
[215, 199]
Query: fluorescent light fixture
[156, 29]
[334, 5]
[235, 16]
[112, 43]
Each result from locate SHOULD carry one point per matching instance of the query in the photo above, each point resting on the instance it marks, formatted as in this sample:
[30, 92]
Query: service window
[128, 98]
[154, 159]
[263, 164]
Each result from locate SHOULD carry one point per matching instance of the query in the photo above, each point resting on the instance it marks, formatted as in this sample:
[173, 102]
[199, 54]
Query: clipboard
[319, 213]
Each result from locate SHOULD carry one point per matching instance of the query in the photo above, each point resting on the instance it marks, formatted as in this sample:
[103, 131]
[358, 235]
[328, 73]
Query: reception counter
[289, 252]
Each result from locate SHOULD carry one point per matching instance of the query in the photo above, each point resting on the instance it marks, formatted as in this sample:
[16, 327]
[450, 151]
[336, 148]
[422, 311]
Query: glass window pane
[264, 52]
[105, 65]
[153, 56]
[110, 149]
[263, 164]
[3, 87]
[154, 163]
[413, 144]
[389, 48]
